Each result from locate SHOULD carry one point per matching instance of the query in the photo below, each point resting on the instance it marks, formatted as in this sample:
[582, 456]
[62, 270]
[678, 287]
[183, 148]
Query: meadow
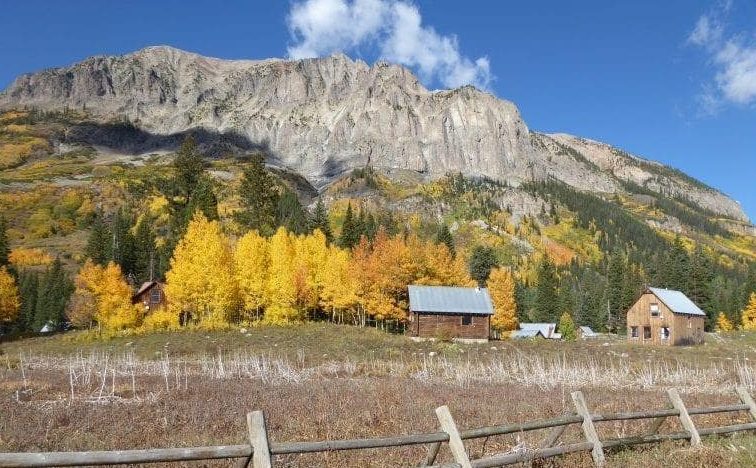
[321, 381]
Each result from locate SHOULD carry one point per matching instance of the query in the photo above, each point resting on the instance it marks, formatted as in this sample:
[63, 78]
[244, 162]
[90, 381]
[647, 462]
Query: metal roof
[525, 334]
[587, 331]
[546, 329]
[676, 301]
[450, 300]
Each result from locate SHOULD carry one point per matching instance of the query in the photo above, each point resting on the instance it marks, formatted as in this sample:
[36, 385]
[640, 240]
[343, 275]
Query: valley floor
[320, 381]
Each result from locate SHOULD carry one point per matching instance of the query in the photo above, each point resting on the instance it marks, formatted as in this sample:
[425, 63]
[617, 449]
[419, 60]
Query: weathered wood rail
[260, 452]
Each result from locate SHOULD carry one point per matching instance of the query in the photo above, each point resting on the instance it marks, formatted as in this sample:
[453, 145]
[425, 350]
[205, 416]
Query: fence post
[432, 454]
[554, 435]
[258, 437]
[589, 430]
[456, 445]
[745, 397]
[685, 419]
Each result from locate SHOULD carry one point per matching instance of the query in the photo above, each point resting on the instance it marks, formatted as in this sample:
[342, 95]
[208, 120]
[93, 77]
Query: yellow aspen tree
[749, 314]
[9, 298]
[502, 291]
[310, 257]
[281, 291]
[201, 280]
[252, 260]
[339, 285]
[102, 294]
[723, 323]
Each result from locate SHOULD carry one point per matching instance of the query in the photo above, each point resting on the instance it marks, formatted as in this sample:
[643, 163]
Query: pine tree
[677, 267]
[189, 167]
[502, 290]
[350, 235]
[122, 242]
[9, 297]
[53, 292]
[203, 200]
[444, 236]
[290, 214]
[701, 275]
[616, 280]
[567, 327]
[144, 251]
[547, 298]
[4, 244]
[259, 198]
[99, 244]
[320, 220]
[482, 260]
[28, 290]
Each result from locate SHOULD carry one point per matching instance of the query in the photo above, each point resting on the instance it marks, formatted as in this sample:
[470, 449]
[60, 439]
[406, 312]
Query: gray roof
[546, 329]
[525, 334]
[676, 301]
[450, 300]
[587, 331]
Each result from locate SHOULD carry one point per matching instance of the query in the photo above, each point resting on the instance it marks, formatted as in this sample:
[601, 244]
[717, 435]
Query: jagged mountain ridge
[323, 117]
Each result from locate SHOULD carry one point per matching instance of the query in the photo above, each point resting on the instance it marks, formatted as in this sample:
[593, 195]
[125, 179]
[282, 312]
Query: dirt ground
[320, 381]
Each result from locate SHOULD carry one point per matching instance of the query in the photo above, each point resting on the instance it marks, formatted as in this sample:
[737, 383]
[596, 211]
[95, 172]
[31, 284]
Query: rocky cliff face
[322, 117]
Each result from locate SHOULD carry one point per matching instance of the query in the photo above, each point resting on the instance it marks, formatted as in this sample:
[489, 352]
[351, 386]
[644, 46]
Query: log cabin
[445, 312]
[150, 295]
[665, 317]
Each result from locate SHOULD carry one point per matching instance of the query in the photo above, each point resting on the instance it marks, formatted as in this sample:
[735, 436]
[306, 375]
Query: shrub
[161, 319]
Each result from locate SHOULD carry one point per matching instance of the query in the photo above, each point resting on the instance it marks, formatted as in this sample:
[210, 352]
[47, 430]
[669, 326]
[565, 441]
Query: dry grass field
[321, 381]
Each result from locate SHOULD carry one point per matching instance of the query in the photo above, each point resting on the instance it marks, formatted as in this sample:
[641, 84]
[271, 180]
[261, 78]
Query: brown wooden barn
[665, 317]
[462, 314]
[151, 294]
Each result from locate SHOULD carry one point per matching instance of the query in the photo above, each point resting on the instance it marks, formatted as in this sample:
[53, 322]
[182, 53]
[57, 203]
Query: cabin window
[467, 320]
[664, 333]
[155, 296]
[654, 310]
[633, 332]
[646, 333]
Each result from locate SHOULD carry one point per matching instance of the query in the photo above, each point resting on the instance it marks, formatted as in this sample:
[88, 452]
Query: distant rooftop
[450, 300]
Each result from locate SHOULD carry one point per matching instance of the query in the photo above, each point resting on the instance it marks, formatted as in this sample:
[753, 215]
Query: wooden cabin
[665, 317]
[151, 294]
[462, 314]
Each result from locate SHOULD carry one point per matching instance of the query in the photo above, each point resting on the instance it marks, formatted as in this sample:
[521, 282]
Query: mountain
[322, 118]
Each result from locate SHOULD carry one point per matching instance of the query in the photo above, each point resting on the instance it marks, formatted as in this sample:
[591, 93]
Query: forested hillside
[237, 240]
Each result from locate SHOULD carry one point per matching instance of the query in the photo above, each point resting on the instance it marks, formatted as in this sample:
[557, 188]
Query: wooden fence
[260, 452]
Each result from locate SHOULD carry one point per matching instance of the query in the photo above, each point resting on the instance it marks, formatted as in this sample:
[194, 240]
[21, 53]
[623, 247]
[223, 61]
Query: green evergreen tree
[701, 276]
[189, 167]
[202, 199]
[370, 227]
[482, 260]
[444, 236]
[290, 214]
[350, 234]
[28, 291]
[4, 244]
[259, 197]
[616, 278]
[144, 251]
[99, 243]
[122, 242]
[547, 297]
[677, 267]
[54, 290]
[320, 220]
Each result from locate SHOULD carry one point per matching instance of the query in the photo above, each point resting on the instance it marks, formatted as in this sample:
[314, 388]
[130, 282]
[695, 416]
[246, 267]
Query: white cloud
[734, 60]
[394, 28]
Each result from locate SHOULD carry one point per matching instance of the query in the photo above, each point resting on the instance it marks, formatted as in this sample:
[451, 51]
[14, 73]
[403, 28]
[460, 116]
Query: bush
[161, 319]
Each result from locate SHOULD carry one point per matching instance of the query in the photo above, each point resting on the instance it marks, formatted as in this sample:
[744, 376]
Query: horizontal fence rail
[259, 452]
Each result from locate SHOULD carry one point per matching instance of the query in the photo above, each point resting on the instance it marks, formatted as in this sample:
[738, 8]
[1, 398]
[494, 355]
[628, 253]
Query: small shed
[462, 314]
[665, 317]
[151, 295]
[586, 333]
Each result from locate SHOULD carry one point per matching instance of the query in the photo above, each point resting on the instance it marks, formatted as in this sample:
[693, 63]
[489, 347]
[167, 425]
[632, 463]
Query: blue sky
[674, 81]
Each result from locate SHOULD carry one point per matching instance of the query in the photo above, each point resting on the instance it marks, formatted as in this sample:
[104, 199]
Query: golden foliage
[113, 309]
[161, 319]
[748, 318]
[502, 290]
[9, 298]
[252, 260]
[281, 290]
[723, 323]
[25, 257]
[201, 280]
